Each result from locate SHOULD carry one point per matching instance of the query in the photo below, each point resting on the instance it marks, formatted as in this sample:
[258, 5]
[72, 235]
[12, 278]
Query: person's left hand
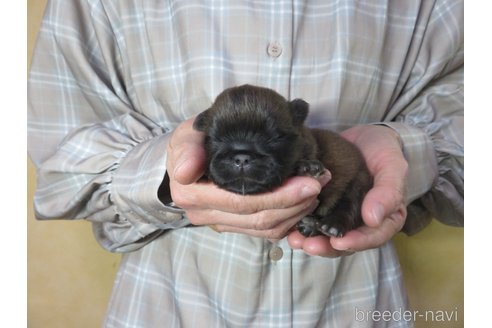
[383, 209]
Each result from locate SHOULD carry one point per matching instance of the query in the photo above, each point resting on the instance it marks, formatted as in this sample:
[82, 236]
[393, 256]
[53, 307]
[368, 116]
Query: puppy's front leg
[308, 226]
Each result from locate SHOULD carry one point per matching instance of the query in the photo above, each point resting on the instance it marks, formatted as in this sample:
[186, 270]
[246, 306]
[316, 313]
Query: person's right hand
[269, 215]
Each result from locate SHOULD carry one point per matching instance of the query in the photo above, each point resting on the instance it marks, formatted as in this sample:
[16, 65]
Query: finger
[272, 234]
[186, 155]
[387, 194]
[261, 221]
[276, 232]
[315, 246]
[380, 202]
[207, 195]
[296, 239]
[368, 237]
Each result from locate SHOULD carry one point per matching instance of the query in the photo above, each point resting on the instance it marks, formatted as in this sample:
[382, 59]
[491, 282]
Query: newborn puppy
[255, 139]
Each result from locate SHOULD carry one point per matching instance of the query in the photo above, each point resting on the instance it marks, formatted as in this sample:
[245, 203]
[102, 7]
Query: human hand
[268, 215]
[383, 208]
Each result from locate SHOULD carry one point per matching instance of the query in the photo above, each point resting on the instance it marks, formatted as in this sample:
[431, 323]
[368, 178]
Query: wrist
[418, 150]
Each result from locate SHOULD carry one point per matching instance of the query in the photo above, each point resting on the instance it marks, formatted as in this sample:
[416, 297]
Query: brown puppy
[255, 139]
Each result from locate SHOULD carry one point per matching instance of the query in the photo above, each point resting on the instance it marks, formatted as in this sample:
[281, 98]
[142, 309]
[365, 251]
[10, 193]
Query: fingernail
[378, 213]
[324, 178]
[308, 191]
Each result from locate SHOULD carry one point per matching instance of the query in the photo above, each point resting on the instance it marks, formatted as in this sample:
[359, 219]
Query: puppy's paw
[334, 229]
[314, 225]
[308, 226]
[312, 168]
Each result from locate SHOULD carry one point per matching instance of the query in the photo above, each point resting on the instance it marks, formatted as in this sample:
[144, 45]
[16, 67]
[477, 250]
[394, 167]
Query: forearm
[110, 178]
[100, 156]
[428, 114]
[433, 146]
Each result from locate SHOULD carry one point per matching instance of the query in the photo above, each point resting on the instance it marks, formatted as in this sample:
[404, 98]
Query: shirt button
[276, 253]
[274, 49]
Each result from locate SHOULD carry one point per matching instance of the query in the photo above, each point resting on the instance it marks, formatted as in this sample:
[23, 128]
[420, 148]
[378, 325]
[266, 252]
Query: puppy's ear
[201, 121]
[298, 111]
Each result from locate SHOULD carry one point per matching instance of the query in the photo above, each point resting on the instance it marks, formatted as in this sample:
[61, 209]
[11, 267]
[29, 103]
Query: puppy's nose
[242, 160]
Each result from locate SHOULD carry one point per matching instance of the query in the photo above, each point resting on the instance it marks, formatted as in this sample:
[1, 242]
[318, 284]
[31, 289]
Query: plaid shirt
[110, 80]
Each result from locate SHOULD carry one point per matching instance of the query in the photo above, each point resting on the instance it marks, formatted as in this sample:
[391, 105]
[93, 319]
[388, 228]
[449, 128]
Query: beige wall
[70, 276]
[432, 263]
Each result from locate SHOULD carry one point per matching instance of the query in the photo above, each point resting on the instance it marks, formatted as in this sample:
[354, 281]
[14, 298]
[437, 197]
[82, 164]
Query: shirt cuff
[419, 152]
[135, 188]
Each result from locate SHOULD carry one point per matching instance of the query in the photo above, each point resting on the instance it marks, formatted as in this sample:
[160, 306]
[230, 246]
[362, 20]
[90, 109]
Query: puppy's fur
[255, 139]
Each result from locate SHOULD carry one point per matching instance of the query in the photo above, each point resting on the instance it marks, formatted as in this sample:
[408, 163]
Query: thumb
[190, 164]
[387, 195]
[186, 155]
[380, 203]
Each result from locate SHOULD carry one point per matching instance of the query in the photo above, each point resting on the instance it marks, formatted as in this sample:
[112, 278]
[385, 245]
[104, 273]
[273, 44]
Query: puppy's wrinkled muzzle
[244, 173]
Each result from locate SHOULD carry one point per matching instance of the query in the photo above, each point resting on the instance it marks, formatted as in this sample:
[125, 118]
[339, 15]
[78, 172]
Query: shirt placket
[278, 47]
[278, 282]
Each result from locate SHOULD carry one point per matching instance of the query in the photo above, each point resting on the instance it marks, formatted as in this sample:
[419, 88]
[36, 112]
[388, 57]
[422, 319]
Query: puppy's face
[253, 138]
